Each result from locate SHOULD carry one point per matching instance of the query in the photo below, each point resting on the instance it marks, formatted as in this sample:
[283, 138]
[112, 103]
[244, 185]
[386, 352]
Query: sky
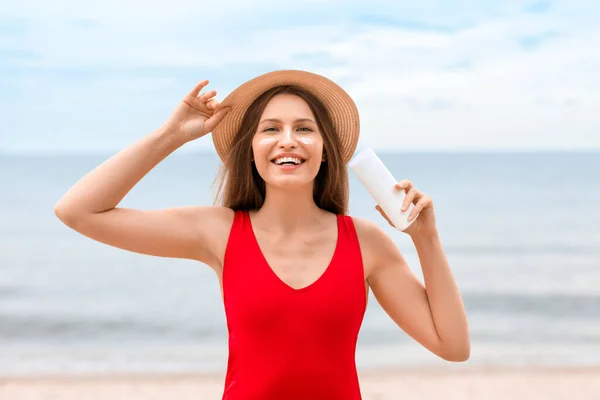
[449, 75]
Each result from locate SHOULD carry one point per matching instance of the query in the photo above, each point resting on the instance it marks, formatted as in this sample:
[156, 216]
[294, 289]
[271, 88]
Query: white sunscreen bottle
[380, 184]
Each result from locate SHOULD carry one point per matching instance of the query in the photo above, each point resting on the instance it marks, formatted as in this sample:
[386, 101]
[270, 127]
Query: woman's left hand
[425, 223]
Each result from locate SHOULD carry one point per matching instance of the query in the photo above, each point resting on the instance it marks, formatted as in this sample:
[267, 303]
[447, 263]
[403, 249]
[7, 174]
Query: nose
[287, 139]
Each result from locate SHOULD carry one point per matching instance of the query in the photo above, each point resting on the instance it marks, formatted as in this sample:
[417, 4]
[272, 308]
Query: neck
[286, 210]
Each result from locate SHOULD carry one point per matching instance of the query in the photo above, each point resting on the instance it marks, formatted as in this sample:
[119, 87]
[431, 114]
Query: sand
[464, 384]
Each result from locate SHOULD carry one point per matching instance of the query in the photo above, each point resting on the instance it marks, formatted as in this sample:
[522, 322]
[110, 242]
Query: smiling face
[287, 145]
[300, 128]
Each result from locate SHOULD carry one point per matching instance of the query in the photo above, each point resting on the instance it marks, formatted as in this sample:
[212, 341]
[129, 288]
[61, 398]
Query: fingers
[216, 118]
[405, 185]
[213, 104]
[412, 196]
[199, 86]
[420, 199]
[409, 198]
[206, 96]
[421, 204]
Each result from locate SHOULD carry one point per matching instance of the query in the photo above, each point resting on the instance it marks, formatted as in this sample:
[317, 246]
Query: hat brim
[340, 106]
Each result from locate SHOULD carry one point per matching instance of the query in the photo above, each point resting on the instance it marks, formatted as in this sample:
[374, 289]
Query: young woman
[294, 269]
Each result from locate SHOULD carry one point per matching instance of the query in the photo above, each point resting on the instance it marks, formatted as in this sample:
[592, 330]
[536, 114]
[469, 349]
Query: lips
[288, 161]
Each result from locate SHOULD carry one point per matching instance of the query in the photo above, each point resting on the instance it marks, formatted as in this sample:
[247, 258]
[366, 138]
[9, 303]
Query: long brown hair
[241, 186]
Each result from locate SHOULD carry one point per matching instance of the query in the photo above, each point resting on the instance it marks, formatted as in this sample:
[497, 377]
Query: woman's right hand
[197, 114]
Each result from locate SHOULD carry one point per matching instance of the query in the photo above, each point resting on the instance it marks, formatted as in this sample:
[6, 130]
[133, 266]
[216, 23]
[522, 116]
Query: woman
[294, 269]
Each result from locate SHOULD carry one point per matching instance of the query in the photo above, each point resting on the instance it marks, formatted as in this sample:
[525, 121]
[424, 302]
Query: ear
[323, 157]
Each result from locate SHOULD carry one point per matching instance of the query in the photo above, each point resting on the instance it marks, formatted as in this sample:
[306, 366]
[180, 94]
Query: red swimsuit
[286, 343]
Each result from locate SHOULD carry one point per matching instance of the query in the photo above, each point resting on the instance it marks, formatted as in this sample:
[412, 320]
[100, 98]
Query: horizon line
[380, 150]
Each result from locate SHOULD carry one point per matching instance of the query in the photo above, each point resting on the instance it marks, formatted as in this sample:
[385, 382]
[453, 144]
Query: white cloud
[467, 87]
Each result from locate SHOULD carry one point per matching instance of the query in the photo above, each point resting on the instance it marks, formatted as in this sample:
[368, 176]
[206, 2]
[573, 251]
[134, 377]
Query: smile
[291, 161]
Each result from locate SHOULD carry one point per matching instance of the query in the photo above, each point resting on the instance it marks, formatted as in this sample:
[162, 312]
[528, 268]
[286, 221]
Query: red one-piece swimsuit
[286, 343]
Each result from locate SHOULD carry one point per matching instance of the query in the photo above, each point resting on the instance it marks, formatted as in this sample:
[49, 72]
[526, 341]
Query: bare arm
[90, 206]
[431, 313]
[103, 188]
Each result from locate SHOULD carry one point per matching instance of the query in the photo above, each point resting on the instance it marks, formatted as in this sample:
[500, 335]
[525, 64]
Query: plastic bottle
[380, 184]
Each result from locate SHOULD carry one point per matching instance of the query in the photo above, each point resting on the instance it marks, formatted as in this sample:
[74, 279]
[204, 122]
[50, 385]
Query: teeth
[282, 160]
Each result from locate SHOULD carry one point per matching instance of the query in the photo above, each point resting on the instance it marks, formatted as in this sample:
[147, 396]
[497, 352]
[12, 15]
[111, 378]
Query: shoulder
[376, 246]
[368, 231]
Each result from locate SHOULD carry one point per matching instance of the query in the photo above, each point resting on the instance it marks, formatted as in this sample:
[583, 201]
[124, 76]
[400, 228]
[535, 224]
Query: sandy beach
[581, 384]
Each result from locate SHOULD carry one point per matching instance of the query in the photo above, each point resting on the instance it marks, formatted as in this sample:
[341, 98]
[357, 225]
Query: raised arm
[431, 312]
[90, 206]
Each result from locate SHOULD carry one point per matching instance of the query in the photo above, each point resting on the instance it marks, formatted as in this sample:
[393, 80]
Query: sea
[521, 231]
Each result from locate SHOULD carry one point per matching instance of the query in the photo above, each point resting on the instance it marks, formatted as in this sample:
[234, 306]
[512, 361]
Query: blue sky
[427, 75]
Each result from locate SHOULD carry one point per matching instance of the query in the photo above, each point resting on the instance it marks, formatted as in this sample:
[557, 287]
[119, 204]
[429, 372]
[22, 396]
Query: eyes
[275, 129]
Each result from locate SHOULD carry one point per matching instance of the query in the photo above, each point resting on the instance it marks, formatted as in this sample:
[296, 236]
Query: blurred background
[491, 107]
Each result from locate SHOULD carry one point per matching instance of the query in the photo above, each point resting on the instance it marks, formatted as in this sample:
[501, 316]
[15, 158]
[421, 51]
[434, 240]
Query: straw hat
[341, 108]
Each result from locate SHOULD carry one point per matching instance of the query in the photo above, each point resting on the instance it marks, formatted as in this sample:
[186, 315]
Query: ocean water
[520, 230]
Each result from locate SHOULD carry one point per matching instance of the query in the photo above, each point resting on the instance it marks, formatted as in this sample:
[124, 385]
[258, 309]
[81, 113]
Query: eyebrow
[278, 120]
